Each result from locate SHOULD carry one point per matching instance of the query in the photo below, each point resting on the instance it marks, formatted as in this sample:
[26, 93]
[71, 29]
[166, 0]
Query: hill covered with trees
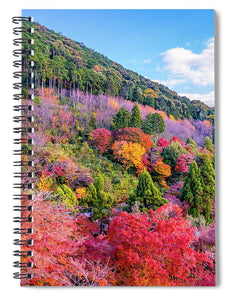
[63, 63]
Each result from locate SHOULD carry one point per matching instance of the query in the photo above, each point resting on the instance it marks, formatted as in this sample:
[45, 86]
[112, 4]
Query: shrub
[66, 195]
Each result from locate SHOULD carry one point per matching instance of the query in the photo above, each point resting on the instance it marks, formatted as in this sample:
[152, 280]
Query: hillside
[63, 63]
[113, 179]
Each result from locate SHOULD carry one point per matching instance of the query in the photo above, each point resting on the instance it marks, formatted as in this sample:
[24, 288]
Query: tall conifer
[192, 190]
[136, 120]
[122, 119]
[147, 193]
[98, 200]
[208, 185]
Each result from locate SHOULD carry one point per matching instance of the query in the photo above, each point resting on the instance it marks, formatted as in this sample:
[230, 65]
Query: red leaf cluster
[162, 143]
[175, 139]
[101, 139]
[154, 249]
[183, 161]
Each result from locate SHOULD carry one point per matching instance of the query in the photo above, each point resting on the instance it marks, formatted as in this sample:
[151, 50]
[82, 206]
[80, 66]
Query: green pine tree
[136, 120]
[146, 193]
[98, 201]
[121, 120]
[192, 190]
[153, 124]
[137, 95]
[208, 185]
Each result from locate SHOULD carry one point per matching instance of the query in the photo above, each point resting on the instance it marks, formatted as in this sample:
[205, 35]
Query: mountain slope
[63, 63]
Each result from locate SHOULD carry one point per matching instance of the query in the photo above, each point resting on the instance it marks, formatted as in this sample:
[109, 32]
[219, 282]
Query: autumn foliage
[162, 143]
[134, 135]
[167, 236]
[129, 154]
[162, 171]
[113, 205]
[55, 251]
[175, 139]
[101, 139]
[72, 252]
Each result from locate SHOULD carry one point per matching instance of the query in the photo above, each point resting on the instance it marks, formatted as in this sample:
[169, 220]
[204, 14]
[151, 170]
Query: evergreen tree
[136, 120]
[208, 185]
[99, 185]
[208, 178]
[122, 119]
[154, 124]
[146, 193]
[208, 144]
[91, 196]
[192, 190]
[137, 95]
[98, 200]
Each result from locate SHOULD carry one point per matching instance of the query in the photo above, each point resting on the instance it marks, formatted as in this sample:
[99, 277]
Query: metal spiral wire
[24, 120]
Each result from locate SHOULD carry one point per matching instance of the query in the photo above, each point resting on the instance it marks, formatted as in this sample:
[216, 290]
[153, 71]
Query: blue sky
[173, 47]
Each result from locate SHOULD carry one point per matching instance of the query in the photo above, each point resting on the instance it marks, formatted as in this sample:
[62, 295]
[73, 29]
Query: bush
[65, 194]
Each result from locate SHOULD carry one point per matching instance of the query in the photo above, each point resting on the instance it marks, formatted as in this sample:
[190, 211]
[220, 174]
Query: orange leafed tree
[129, 154]
[134, 135]
[97, 68]
[47, 96]
[162, 171]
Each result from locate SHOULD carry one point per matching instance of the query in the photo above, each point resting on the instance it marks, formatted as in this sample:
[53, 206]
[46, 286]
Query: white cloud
[133, 61]
[146, 61]
[187, 65]
[206, 98]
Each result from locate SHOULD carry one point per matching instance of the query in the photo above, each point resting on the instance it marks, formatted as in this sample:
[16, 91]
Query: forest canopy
[60, 63]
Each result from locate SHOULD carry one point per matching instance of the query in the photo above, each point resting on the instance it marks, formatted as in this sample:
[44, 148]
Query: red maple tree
[154, 249]
[101, 138]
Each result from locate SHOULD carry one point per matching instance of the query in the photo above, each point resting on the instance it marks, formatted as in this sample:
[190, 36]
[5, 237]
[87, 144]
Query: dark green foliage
[153, 124]
[138, 95]
[122, 119]
[208, 144]
[208, 178]
[192, 190]
[200, 110]
[136, 120]
[146, 194]
[208, 185]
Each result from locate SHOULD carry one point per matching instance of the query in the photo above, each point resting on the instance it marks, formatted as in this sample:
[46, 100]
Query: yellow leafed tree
[129, 154]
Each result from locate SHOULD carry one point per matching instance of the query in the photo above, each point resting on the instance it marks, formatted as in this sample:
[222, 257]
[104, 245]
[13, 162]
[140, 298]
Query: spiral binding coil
[25, 120]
